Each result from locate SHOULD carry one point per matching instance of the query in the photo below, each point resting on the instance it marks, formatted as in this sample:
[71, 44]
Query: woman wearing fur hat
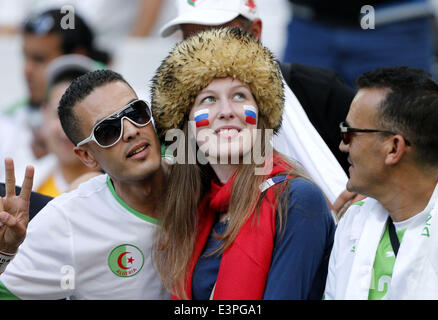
[229, 232]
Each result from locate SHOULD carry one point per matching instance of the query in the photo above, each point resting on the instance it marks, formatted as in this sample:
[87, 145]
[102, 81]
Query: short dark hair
[78, 90]
[410, 107]
[79, 37]
[244, 22]
[67, 75]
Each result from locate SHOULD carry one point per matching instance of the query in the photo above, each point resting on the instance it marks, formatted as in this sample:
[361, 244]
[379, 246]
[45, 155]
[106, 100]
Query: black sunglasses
[346, 132]
[108, 131]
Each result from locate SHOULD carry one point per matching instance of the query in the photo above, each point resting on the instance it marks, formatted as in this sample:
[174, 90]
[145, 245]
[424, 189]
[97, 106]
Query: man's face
[119, 161]
[365, 153]
[38, 51]
[57, 141]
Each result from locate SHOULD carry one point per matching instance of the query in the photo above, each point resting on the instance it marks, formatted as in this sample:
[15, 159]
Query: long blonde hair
[186, 186]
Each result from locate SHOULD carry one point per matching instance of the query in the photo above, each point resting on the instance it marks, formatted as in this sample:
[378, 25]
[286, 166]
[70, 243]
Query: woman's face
[225, 116]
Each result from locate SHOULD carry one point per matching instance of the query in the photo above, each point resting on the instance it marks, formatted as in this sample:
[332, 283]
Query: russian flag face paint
[250, 114]
[201, 118]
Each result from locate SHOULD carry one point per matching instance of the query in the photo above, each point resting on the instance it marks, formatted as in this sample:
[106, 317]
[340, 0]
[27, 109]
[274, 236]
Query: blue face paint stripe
[201, 117]
[250, 113]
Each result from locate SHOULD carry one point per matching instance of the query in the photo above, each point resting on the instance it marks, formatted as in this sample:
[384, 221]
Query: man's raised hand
[14, 209]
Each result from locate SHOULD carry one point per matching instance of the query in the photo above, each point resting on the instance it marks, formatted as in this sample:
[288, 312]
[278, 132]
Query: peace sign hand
[14, 209]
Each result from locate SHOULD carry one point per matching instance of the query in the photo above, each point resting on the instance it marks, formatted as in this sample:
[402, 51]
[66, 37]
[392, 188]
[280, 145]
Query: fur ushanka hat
[215, 53]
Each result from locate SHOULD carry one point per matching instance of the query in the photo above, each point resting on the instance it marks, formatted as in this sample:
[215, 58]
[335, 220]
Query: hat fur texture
[215, 53]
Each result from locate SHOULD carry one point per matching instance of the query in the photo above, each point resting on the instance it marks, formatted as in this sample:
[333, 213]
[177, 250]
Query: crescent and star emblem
[119, 260]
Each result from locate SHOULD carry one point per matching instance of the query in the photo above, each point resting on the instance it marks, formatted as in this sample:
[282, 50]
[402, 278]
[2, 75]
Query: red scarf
[246, 262]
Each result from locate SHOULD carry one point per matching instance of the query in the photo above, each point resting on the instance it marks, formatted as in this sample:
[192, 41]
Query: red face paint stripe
[202, 123]
[251, 120]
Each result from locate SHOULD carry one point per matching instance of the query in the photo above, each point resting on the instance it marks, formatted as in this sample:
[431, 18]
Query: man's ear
[81, 50]
[256, 28]
[396, 150]
[86, 157]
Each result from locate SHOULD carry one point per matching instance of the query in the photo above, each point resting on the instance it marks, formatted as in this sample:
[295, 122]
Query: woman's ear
[86, 157]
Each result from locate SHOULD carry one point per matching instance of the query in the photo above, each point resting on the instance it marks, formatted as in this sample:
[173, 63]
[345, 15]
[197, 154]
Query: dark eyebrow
[97, 121]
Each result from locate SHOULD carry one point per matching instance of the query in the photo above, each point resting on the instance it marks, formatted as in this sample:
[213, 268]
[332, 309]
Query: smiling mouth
[138, 150]
[227, 132]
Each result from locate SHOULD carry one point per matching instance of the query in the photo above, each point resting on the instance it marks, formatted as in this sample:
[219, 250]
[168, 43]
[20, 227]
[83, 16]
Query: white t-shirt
[86, 244]
[358, 235]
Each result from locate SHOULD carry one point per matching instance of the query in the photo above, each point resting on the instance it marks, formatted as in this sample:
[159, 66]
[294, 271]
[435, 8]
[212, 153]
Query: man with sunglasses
[94, 242]
[386, 246]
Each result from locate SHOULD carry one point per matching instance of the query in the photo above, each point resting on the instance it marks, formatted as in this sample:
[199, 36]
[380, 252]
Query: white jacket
[299, 140]
[415, 273]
